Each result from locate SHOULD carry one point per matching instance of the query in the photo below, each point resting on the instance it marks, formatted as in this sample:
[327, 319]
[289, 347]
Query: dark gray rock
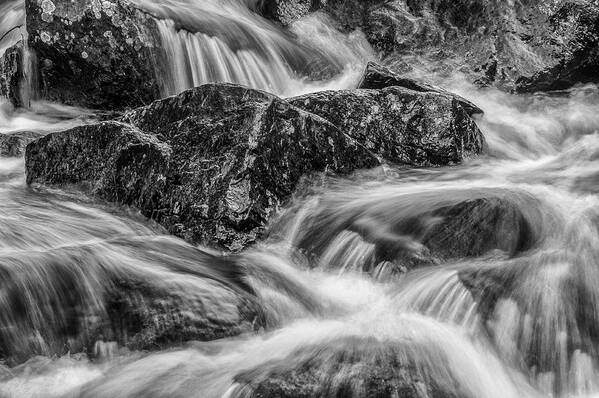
[286, 12]
[212, 165]
[13, 144]
[475, 227]
[400, 125]
[94, 54]
[65, 300]
[377, 76]
[347, 14]
[579, 63]
[420, 229]
[12, 75]
[531, 45]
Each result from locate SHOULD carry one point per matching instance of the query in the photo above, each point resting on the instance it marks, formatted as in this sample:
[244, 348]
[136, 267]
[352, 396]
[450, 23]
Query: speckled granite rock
[212, 164]
[92, 53]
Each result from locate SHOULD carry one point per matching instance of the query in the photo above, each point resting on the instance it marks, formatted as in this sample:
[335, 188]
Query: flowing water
[480, 279]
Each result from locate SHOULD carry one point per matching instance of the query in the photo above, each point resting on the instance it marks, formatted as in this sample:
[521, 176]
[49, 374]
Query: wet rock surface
[349, 367]
[287, 12]
[14, 144]
[12, 75]
[158, 304]
[347, 14]
[400, 125]
[94, 54]
[528, 46]
[579, 62]
[438, 230]
[212, 165]
[377, 76]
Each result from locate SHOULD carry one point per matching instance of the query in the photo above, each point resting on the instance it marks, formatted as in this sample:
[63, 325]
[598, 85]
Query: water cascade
[252, 51]
[478, 280]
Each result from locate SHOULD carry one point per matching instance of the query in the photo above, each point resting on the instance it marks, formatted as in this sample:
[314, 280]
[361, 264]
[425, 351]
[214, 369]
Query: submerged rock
[399, 124]
[378, 77]
[348, 367]
[578, 23]
[495, 42]
[406, 231]
[91, 53]
[13, 144]
[144, 293]
[212, 165]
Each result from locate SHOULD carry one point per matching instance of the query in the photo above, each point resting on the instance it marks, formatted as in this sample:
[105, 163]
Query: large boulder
[143, 293]
[212, 165]
[399, 124]
[91, 53]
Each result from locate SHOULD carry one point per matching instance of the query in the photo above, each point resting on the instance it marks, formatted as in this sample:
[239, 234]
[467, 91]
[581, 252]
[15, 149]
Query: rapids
[521, 320]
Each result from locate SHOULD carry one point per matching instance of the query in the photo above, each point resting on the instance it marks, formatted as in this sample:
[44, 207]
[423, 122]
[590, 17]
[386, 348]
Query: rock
[580, 62]
[475, 227]
[347, 367]
[94, 54]
[347, 14]
[287, 12]
[533, 45]
[378, 77]
[400, 125]
[118, 161]
[454, 226]
[212, 165]
[65, 300]
[12, 75]
[513, 289]
[13, 144]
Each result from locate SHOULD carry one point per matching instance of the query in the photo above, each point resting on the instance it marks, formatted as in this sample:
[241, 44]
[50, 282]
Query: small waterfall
[197, 58]
[224, 41]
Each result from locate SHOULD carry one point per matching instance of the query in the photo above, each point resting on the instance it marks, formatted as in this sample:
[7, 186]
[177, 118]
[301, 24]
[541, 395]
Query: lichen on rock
[65, 36]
